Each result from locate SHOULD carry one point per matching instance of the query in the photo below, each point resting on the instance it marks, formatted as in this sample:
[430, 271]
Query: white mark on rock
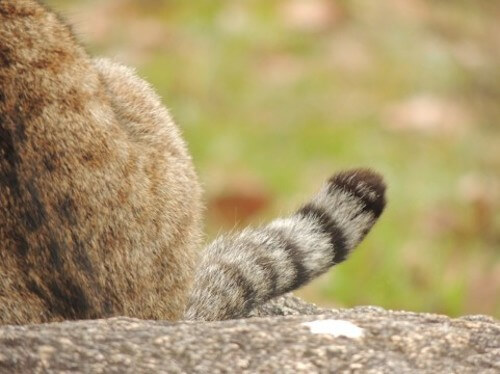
[335, 327]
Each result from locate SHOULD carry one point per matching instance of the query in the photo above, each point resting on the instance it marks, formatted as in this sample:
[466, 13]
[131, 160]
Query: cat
[100, 205]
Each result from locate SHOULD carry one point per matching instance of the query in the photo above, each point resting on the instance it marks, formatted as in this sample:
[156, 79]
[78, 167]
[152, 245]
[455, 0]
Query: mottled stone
[281, 342]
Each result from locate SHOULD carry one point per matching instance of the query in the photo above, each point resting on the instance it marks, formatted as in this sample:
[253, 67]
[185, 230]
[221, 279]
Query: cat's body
[100, 209]
[100, 205]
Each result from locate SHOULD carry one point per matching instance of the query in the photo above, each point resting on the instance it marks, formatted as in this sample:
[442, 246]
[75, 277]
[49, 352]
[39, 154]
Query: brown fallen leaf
[237, 207]
[238, 200]
[427, 114]
[311, 15]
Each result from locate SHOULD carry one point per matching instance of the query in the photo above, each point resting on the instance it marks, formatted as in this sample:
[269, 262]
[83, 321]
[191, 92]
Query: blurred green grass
[276, 95]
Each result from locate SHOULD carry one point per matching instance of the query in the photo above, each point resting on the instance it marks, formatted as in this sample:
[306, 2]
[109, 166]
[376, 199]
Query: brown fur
[99, 202]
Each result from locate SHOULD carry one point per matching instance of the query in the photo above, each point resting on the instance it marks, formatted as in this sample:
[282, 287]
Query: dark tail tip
[365, 184]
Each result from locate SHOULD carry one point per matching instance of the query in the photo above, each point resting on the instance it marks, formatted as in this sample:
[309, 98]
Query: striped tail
[244, 270]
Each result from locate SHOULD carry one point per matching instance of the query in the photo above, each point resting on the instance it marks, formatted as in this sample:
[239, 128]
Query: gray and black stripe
[241, 271]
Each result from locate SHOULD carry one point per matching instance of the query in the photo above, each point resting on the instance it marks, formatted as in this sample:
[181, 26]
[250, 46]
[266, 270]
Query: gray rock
[359, 340]
[287, 305]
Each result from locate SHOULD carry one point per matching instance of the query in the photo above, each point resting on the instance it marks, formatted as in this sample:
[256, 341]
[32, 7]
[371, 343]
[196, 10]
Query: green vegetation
[273, 96]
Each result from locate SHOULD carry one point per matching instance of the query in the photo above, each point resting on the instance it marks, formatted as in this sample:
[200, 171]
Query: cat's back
[99, 203]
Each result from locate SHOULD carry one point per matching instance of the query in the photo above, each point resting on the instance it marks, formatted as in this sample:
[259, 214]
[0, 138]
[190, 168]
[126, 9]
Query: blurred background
[275, 95]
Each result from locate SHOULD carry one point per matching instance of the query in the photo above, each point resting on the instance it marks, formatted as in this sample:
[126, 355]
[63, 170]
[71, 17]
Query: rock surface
[359, 340]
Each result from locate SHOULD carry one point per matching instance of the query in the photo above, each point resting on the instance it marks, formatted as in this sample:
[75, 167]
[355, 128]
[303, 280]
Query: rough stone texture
[287, 305]
[393, 342]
